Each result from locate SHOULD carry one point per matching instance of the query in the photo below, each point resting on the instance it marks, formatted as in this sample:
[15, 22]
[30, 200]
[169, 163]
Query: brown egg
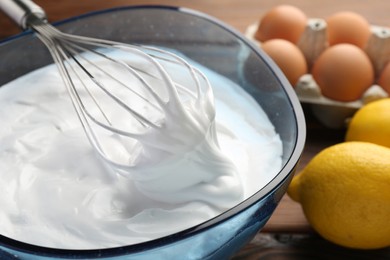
[288, 57]
[348, 27]
[343, 72]
[282, 22]
[384, 79]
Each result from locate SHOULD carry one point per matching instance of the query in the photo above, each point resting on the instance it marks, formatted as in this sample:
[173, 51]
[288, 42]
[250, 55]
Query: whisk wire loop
[175, 103]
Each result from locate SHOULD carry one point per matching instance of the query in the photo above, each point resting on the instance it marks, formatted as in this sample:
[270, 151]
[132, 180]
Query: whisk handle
[22, 11]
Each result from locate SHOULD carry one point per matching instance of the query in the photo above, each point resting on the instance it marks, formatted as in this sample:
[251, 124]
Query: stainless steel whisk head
[130, 99]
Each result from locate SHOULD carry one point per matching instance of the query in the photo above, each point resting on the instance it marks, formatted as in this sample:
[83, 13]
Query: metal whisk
[130, 99]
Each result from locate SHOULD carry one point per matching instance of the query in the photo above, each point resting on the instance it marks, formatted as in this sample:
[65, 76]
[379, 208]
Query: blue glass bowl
[216, 46]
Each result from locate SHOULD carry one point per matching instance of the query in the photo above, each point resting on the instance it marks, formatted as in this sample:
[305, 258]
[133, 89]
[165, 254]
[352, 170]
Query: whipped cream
[58, 193]
[172, 128]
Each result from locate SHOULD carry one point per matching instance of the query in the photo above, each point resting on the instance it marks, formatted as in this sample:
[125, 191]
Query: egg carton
[332, 113]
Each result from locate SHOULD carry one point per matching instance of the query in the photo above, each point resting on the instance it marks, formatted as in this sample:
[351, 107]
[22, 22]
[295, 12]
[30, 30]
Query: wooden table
[287, 235]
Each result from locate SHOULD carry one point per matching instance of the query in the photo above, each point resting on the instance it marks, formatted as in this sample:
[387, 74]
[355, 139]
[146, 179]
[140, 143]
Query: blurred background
[238, 14]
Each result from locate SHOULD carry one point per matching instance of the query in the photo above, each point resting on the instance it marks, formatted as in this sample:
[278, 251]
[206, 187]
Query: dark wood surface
[287, 235]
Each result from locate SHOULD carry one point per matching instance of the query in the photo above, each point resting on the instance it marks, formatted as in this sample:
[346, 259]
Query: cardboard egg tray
[332, 113]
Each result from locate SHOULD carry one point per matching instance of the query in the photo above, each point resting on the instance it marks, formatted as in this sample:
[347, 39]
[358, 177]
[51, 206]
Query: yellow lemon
[371, 123]
[344, 192]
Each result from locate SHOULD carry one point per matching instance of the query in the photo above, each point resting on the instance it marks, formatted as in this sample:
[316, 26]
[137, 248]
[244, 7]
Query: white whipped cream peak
[58, 193]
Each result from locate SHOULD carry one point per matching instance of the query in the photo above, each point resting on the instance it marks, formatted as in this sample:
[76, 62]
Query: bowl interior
[202, 39]
[199, 37]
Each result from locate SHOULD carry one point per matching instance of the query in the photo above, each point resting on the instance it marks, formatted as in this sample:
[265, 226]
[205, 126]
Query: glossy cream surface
[57, 192]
